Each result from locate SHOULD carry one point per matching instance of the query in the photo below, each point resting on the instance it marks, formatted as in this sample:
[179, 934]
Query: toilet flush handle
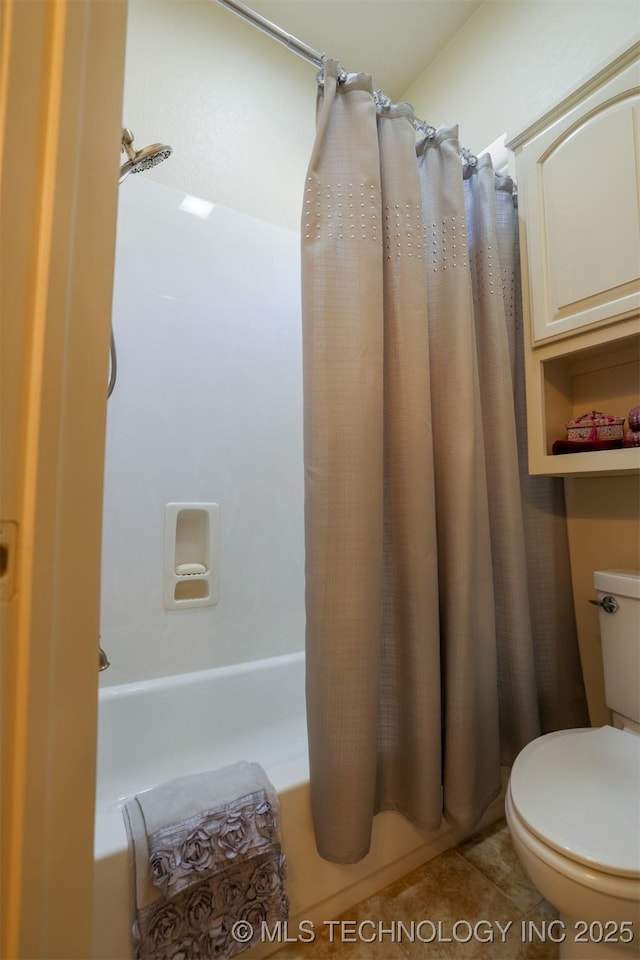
[608, 604]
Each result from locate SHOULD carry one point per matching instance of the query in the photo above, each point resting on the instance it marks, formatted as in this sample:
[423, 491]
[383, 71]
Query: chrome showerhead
[139, 160]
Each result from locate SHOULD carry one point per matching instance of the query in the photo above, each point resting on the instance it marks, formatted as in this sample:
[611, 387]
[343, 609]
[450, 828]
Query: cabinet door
[581, 185]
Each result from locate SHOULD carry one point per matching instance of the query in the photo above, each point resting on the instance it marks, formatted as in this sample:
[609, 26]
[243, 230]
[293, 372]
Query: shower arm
[127, 143]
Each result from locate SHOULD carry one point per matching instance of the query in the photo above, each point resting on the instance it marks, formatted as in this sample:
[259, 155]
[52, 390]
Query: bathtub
[152, 731]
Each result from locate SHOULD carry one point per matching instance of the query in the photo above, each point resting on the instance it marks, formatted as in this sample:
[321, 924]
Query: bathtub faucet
[103, 662]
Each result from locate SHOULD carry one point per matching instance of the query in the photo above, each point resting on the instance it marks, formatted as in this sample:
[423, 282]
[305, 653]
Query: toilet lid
[579, 791]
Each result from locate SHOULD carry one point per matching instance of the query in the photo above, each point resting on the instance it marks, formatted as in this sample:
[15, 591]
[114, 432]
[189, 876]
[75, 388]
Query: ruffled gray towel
[206, 864]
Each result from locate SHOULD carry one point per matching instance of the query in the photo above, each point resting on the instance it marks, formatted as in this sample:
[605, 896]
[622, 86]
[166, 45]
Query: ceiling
[394, 40]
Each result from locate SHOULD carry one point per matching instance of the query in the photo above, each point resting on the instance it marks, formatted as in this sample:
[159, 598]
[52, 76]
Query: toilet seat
[563, 869]
[578, 791]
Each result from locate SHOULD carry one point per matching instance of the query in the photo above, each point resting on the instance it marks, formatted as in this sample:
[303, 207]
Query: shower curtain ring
[342, 75]
[468, 159]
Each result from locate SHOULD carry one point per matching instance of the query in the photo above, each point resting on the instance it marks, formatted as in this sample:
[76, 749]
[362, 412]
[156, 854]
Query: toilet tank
[620, 635]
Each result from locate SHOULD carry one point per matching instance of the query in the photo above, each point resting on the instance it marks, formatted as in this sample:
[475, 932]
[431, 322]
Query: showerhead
[139, 160]
[150, 156]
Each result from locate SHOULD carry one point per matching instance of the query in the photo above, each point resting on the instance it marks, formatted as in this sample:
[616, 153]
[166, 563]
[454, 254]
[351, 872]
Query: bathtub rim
[107, 694]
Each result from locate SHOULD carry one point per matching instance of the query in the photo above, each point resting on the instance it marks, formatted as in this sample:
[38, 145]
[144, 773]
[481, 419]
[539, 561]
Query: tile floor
[481, 880]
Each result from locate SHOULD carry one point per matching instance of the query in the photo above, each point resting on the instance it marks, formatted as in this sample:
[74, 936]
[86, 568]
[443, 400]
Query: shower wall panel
[207, 408]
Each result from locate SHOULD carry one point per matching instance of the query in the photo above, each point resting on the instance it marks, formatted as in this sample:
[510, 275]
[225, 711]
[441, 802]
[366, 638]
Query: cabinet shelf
[593, 370]
[594, 463]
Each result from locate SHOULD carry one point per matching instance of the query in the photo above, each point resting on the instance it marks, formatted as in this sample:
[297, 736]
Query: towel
[207, 868]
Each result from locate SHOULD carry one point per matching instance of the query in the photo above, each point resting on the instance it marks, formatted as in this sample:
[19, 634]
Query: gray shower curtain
[426, 663]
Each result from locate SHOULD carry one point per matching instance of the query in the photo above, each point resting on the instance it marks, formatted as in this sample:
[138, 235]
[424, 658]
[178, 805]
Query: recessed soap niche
[191, 555]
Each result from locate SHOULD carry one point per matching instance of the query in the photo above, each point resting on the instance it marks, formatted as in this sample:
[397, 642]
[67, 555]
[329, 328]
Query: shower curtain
[440, 630]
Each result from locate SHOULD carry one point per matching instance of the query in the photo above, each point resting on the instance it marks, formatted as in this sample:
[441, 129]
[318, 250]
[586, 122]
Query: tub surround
[207, 409]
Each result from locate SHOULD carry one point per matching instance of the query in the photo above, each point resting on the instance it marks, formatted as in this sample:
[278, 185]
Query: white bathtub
[153, 731]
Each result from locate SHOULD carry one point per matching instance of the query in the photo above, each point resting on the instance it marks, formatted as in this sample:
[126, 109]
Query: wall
[509, 64]
[512, 61]
[207, 407]
[238, 108]
[604, 534]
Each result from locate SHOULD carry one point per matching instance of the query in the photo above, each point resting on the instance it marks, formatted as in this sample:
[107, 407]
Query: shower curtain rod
[274, 31]
[317, 59]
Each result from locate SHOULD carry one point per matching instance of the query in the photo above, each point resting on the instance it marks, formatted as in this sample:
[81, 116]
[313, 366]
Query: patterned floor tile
[492, 852]
[466, 904]
[447, 905]
[539, 939]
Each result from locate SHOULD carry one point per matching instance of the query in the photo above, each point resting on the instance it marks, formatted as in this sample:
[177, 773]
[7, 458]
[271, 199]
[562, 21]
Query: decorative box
[595, 426]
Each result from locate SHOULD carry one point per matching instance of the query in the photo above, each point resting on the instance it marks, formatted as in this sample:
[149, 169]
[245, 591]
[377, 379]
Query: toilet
[573, 799]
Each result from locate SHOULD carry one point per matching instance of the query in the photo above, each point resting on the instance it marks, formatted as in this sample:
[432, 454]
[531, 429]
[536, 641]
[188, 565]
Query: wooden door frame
[61, 81]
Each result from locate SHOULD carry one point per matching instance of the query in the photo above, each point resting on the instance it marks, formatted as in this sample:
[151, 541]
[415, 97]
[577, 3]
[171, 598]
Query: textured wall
[512, 61]
[238, 109]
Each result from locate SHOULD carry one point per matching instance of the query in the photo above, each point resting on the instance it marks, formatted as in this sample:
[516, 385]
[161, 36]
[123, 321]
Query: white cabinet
[578, 175]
